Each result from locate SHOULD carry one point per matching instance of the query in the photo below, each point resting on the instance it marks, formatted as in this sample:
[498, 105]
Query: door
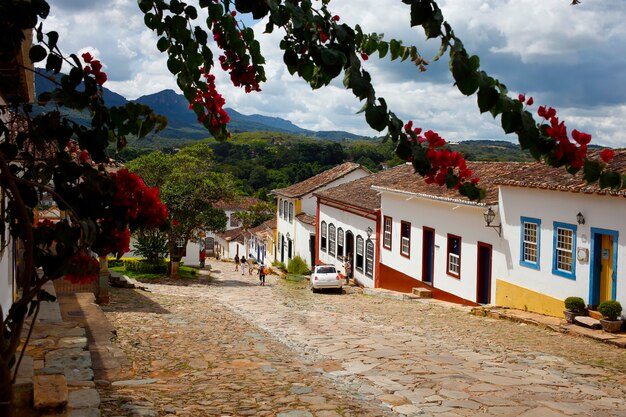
[606, 268]
[428, 255]
[350, 251]
[282, 249]
[312, 250]
[603, 265]
[483, 274]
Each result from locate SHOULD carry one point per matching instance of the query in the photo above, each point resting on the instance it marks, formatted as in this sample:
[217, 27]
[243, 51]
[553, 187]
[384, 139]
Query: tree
[189, 186]
[49, 158]
[319, 47]
[256, 214]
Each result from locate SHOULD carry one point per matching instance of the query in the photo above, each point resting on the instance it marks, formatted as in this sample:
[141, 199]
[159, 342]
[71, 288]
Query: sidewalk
[553, 323]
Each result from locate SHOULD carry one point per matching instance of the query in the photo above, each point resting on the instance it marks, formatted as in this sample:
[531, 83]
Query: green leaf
[174, 65]
[145, 5]
[162, 44]
[395, 47]
[421, 12]
[53, 38]
[383, 48]
[592, 170]
[376, 117]
[37, 53]
[487, 98]
[54, 63]
[511, 121]
[611, 179]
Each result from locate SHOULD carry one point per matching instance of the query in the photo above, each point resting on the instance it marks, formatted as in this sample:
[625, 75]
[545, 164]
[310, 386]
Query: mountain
[183, 124]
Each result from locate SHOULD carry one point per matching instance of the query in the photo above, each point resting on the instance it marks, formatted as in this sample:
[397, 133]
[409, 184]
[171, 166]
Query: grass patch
[186, 272]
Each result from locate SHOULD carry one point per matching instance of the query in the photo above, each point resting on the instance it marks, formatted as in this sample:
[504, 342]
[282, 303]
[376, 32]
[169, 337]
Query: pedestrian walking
[262, 273]
[243, 265]
[250, 264]
[236, 262]
[202, 258]
[348, 267]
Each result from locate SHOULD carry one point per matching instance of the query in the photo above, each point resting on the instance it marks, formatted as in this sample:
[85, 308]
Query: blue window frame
[564, 250]
[530, 242]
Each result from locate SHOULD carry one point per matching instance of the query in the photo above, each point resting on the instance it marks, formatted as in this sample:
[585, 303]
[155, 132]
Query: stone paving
[226, 346]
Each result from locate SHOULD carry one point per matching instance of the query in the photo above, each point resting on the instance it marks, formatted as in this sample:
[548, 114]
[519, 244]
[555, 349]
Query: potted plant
[611, 310]
[574, 306]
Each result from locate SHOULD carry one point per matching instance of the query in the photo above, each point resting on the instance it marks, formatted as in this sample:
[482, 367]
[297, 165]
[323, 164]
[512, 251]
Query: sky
[567, 57]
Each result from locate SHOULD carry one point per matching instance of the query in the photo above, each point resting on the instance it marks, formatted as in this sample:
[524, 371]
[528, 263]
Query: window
[405, 239]
[323, 238]
[359, 253]
[233, 221]
[529, 250]
[280, 208]
[339, 242]
[564, 249]
[285, 209]
[369, 258]
[454, 256]
[290, 212]
[331, 239]
[180, 242]
[387, 233]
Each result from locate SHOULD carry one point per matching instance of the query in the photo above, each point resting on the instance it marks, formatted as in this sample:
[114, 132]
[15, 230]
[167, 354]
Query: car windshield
[326, 270]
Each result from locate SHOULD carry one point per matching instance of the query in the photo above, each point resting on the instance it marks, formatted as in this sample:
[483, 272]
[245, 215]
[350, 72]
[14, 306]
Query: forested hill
[182, 122]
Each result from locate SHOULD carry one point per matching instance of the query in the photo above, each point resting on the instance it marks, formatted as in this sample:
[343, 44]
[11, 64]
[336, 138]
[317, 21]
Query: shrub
[145, 267]
[575, 304]
[298, 266]
[279, 265]
[610, 309]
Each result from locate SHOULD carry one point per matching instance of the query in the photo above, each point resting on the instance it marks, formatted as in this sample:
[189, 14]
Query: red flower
[530, 101]
[336, 18]
[87, 57]
[606, 155]
[581, 137]
[234, 13]
[364, 57]
[323, 36]
[521, 98]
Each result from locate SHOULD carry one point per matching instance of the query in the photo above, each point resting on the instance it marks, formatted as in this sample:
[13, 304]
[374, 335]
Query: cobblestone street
[226, 346]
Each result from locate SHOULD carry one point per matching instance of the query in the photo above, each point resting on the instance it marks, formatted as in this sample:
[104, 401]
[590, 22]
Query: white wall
[358, 226]
[301, 241]
[600, 211]
[444, 217]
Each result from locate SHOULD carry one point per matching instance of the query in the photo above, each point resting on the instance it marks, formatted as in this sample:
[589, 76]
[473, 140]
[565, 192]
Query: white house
[434, 238]
[562, 238]
[230, 243]
[262, 244]
[295, 232]
[349, 216]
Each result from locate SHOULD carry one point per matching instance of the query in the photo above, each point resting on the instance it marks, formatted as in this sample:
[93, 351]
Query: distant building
[296, 212]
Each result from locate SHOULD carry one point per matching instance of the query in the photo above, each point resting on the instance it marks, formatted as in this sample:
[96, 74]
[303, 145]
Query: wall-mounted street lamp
[288, 236]
[490, 215]
[580, 218]
[369, 232]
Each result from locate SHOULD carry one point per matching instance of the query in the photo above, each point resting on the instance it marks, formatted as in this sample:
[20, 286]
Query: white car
[325, 276]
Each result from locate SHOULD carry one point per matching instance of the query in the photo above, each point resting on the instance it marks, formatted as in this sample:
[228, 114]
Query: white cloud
[564, 56]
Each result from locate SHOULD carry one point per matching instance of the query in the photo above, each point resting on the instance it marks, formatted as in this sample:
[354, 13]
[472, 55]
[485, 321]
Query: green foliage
[152, 245]
[575, 304]
[256, 214]
[145, 267]
[280, 265]
[298, 266]
[610, 309]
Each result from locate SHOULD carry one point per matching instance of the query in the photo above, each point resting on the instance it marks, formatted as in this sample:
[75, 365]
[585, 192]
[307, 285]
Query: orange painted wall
[391, 279]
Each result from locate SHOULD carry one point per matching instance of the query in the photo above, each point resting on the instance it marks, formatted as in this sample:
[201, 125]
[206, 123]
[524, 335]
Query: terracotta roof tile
[540, 175]
[306, 218]
[311, 184]
[488, 172]
[359, 193]
[232, 234]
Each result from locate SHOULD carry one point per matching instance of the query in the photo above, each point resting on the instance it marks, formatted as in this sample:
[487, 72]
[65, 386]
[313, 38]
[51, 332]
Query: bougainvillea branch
[318, 46]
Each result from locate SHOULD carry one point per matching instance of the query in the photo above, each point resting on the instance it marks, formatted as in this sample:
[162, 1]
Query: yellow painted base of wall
[513, 296]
